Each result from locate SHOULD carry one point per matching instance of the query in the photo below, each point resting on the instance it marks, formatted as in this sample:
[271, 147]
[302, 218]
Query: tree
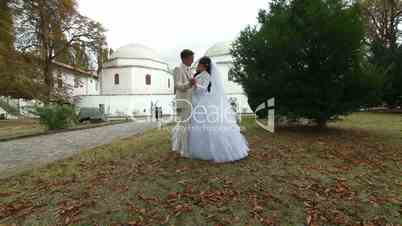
[19, 78]
[103, 56]
[6, 37]
[308, 55]
[16, 77]
[383, 21]
[6, 29]
[389, 60]
[52, 29]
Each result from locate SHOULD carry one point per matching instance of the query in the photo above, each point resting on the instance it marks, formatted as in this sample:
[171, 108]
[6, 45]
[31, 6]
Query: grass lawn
[348, 175]
[22, 127]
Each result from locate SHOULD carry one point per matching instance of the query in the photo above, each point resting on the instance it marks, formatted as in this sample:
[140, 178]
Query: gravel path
[23, 154]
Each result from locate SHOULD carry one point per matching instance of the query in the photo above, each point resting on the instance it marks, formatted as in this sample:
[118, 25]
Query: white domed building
[220, 54]
[133, 82]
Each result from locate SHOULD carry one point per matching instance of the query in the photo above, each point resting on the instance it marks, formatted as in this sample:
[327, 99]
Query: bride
[213, 131]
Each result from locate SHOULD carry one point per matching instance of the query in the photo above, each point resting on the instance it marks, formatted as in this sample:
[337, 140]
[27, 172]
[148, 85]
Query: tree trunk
[48, 78]
[46, 53]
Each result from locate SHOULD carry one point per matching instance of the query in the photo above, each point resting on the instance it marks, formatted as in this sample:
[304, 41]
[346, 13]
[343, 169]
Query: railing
[8, 107]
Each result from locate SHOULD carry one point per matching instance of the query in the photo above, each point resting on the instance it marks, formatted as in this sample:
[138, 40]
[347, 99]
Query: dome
[219, 49]
[136, 51]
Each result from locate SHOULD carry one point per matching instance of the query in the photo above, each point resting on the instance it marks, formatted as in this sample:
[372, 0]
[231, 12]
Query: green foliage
[77, 55]
[20, 77]
[103, 55]
[308, 54]
[56, 116]
[374, 78]
[389, 60]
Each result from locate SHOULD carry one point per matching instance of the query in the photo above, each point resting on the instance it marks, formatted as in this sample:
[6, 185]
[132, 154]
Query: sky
[168, 26]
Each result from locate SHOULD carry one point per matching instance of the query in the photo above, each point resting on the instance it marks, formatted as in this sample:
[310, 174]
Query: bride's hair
[206, 61]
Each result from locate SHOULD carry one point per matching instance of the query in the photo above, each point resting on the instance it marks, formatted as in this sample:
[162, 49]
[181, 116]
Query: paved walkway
[22, 154]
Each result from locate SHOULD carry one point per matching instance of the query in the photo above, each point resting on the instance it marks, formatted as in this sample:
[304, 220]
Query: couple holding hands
[207, 128]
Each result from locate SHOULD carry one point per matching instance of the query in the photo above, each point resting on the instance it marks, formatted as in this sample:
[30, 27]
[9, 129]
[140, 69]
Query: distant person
[157, 113]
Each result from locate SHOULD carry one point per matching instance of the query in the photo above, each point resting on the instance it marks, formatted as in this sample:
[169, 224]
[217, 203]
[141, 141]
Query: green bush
[57, 116]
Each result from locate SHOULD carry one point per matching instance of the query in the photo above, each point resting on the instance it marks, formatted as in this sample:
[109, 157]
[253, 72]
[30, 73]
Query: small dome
[136, 51]
[219, 49]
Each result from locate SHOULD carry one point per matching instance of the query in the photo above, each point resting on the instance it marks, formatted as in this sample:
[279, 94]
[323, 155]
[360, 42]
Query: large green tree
[308, 55]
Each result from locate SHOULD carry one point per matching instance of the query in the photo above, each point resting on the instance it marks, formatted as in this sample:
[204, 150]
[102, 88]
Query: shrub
[56, 116]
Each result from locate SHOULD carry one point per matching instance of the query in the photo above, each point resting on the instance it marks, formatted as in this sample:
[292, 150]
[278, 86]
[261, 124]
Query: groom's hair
[186, 53]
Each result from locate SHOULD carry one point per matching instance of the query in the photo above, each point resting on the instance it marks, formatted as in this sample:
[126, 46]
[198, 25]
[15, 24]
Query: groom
[183, 83]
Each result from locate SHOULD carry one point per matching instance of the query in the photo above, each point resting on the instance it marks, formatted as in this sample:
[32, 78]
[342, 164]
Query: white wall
[129, 105]
[159, 82]
[232, 89]
[132, 96]
[93, 86]
[230, 86]
[125, 81]
[136, 62]
[82, 88]
[132, 75]
[87, 84]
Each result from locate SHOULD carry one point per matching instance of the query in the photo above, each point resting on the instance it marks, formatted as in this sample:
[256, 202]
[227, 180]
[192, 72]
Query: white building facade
[76, 82]
[69, 80]
[136, 81]
[220, 54]
[133, 83]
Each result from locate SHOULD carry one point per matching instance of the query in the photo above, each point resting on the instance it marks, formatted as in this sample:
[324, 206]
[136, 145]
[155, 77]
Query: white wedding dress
[213, 133]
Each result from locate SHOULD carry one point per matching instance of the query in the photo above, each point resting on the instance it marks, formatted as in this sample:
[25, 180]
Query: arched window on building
[148, 79]
[116, 79]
